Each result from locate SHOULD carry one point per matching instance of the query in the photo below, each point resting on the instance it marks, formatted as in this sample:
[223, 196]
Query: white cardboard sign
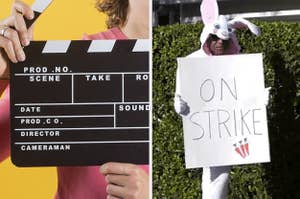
[227, 123]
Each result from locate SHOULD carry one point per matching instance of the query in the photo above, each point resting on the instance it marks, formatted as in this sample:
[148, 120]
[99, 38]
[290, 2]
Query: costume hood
[219, 25]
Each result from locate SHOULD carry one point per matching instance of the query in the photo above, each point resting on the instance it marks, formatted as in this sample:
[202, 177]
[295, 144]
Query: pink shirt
[113, 33]
[73, 182]
[4, 120]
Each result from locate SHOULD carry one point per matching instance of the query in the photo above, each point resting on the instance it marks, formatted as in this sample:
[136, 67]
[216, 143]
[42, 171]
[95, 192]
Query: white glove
[181, 107]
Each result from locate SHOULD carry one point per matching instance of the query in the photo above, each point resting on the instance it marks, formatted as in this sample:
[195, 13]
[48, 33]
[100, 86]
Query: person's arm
[126, 181]
[13, 36]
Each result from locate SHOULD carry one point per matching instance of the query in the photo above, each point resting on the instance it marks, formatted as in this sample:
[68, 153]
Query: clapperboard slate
[81, 103]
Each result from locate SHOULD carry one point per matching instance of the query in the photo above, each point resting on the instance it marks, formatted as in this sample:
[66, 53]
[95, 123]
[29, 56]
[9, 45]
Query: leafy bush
[280, 44]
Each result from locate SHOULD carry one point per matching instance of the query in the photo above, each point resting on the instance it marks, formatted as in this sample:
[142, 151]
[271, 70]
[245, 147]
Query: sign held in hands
[227, 123]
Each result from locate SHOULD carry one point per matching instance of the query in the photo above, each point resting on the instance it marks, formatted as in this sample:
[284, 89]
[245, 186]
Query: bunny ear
[240, 23]
[209, 11]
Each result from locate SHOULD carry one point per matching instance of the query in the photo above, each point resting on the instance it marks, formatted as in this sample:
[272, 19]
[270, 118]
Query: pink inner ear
[209, 11]
[240, 26]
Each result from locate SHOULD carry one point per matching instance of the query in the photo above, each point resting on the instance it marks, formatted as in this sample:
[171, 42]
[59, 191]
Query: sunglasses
[215, 38]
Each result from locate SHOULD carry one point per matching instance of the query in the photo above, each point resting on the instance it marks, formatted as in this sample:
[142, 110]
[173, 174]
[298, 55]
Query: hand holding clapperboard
[227, 123]
[86, 102]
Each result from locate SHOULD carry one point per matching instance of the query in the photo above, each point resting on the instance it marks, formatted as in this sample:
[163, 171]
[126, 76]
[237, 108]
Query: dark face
[217, 46]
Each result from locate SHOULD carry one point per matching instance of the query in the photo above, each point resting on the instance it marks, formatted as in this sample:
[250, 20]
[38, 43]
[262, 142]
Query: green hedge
[280, 44]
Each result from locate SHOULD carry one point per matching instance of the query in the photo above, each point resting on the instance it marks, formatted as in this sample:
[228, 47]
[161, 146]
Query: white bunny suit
[214, 179]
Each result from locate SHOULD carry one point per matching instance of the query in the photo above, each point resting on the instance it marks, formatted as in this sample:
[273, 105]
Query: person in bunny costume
[217, 38]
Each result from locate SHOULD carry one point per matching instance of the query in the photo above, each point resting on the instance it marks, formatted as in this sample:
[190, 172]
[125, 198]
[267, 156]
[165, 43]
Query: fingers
[23, 9]
[19, 11]
[17, 22]
[115, 190]
[11, 38]
[112, 197]
[8, 47]
[116, 179]
[126, 181]
[118, 168]
[124, 192]
[20, 26]
[16, 33]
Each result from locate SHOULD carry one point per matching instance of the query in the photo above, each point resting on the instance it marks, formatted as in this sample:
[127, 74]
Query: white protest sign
[227, 123]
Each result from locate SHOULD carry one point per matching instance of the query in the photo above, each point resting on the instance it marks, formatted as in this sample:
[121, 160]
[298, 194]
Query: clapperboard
[81, 103]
